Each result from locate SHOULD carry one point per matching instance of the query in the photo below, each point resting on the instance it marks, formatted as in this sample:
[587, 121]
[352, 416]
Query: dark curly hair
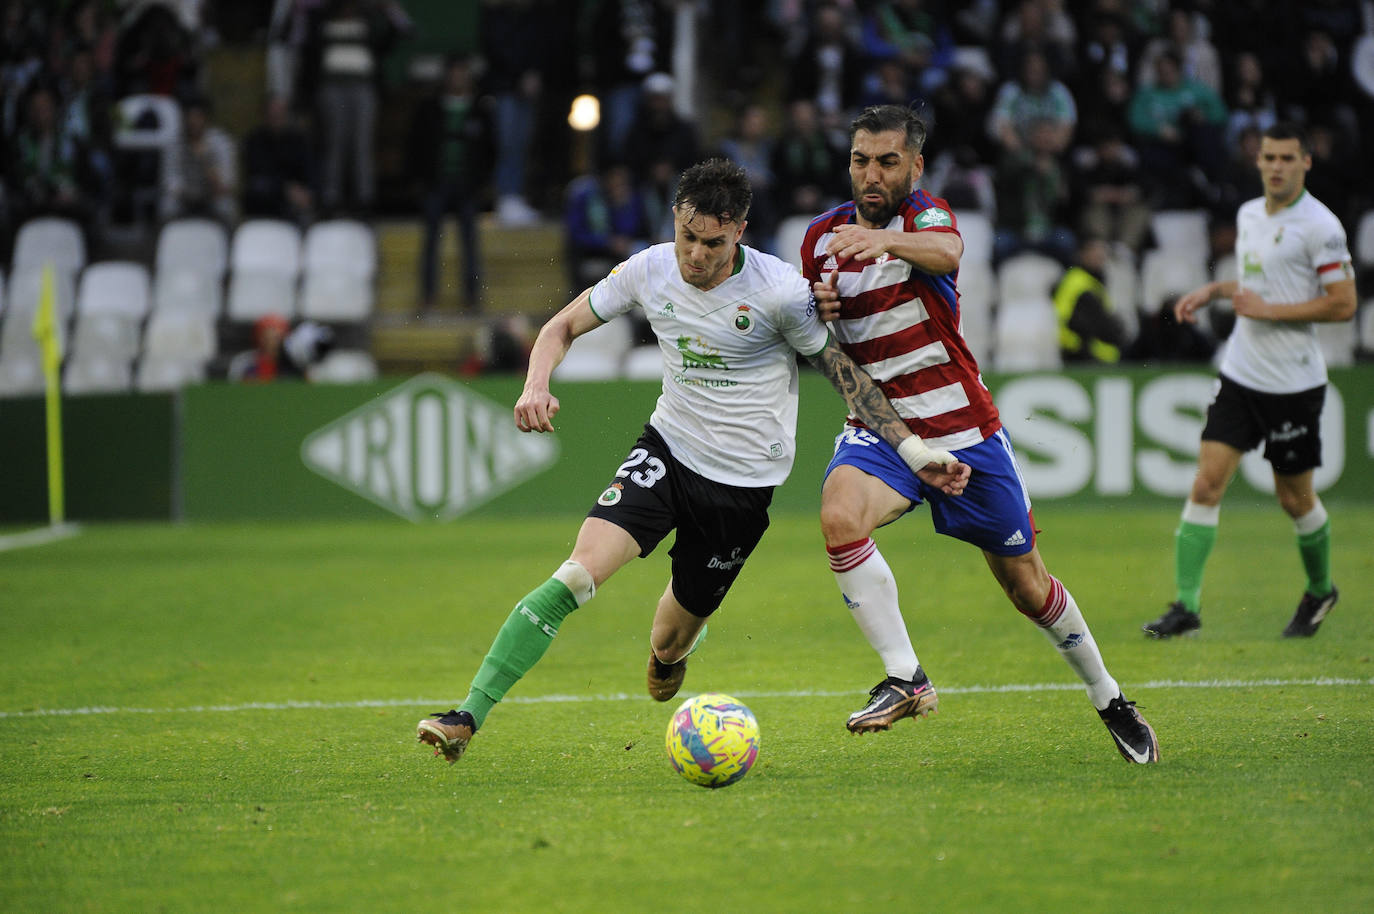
[716, 187]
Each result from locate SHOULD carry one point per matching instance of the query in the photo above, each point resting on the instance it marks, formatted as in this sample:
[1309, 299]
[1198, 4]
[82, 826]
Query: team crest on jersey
[932, 217]
[616, 269]
[744, 320]
[611, 495]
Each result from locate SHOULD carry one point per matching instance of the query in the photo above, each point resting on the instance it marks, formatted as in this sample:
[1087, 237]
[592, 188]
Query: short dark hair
[1289, 130]
[716, 187]
[882, 118]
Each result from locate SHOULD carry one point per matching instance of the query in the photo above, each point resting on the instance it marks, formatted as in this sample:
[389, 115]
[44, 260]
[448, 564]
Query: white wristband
[917, 455]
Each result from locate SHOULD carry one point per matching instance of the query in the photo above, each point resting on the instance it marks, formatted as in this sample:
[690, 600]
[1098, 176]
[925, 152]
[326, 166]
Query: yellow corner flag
[50, 347]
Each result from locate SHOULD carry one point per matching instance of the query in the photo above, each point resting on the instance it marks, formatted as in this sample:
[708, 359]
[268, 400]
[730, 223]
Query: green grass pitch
[222, 718]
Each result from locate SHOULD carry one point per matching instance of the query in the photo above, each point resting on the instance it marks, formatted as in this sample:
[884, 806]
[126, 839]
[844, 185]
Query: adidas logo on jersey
[1016, 539]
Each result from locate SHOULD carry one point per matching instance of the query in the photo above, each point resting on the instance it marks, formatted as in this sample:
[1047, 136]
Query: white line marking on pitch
[40, 537]
[623, 696]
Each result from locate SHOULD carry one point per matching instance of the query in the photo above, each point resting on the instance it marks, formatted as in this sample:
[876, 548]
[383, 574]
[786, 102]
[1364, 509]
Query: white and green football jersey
[1286, 258]
[729, 404]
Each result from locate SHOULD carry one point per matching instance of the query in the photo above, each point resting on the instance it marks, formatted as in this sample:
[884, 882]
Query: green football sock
[522, 640]
[1315, 548]
[1192, 544]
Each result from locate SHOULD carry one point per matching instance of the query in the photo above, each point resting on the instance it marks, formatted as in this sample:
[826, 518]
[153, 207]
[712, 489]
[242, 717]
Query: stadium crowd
[1058, 121]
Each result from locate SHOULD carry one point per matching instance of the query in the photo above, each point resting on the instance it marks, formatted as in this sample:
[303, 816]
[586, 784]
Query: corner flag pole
[50, 348]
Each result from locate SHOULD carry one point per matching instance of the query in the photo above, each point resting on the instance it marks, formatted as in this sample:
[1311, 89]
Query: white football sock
[1062, 622]
[577, 579]
[1312, 521]
[870, 592]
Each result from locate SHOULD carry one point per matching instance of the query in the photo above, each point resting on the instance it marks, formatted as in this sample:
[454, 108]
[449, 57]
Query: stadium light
[585, 113]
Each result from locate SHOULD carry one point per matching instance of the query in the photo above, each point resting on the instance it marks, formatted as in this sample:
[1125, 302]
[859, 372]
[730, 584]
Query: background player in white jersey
[883, 269]
[1294, 270]
[729, 321]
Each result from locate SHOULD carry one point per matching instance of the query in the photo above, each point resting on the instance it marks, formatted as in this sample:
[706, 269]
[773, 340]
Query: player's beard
[877, 214]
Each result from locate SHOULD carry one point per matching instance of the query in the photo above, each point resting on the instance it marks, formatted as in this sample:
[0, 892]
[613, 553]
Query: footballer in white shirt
[1294, 270]
[730, 321]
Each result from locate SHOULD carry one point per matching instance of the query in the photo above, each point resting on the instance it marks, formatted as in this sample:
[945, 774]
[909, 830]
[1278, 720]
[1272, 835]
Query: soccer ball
[713, 740]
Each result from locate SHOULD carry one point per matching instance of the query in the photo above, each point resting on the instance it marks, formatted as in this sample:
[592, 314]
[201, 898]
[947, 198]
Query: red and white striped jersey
[902, 326]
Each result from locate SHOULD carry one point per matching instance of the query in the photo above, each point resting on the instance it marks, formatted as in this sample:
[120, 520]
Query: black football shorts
[717, 525]
[1288, 424]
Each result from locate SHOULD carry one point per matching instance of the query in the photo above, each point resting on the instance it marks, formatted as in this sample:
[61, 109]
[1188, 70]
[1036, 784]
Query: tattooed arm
[868, 402]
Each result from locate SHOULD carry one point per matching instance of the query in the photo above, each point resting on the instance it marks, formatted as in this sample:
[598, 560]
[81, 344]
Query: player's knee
[1026, 586]
[841, 523]
[1027, 599]
[1207, 490]
[1296, 504]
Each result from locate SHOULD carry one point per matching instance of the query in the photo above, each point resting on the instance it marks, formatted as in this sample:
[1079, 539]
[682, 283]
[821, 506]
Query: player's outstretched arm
[870, 405]
[537, 406]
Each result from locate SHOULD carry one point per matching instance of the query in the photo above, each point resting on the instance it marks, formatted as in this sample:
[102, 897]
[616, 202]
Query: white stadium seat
[117, 288]
[344, 366]
[266, 244]
[97, 374]
[1364, 321]
[338, 297]
[105, 335]
[977, 285]
[21, 375]
[21, 304]
[264, 268]
[180, 335]
[49, 239]
[976, 230]
[792, 231]
[1027, 335]
[339, 270]
[1165, 273]
[1181, 230]
[1123, 288]
[1224, 269]
[340, 244]
[1027, 275]
[787, 242]
[194, 245]
[1364, 242]
[254, 294]
[163, 373]
[180, 290]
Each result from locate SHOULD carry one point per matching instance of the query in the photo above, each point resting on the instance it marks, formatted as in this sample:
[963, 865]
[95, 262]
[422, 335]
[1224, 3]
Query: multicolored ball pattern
[713, 740]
